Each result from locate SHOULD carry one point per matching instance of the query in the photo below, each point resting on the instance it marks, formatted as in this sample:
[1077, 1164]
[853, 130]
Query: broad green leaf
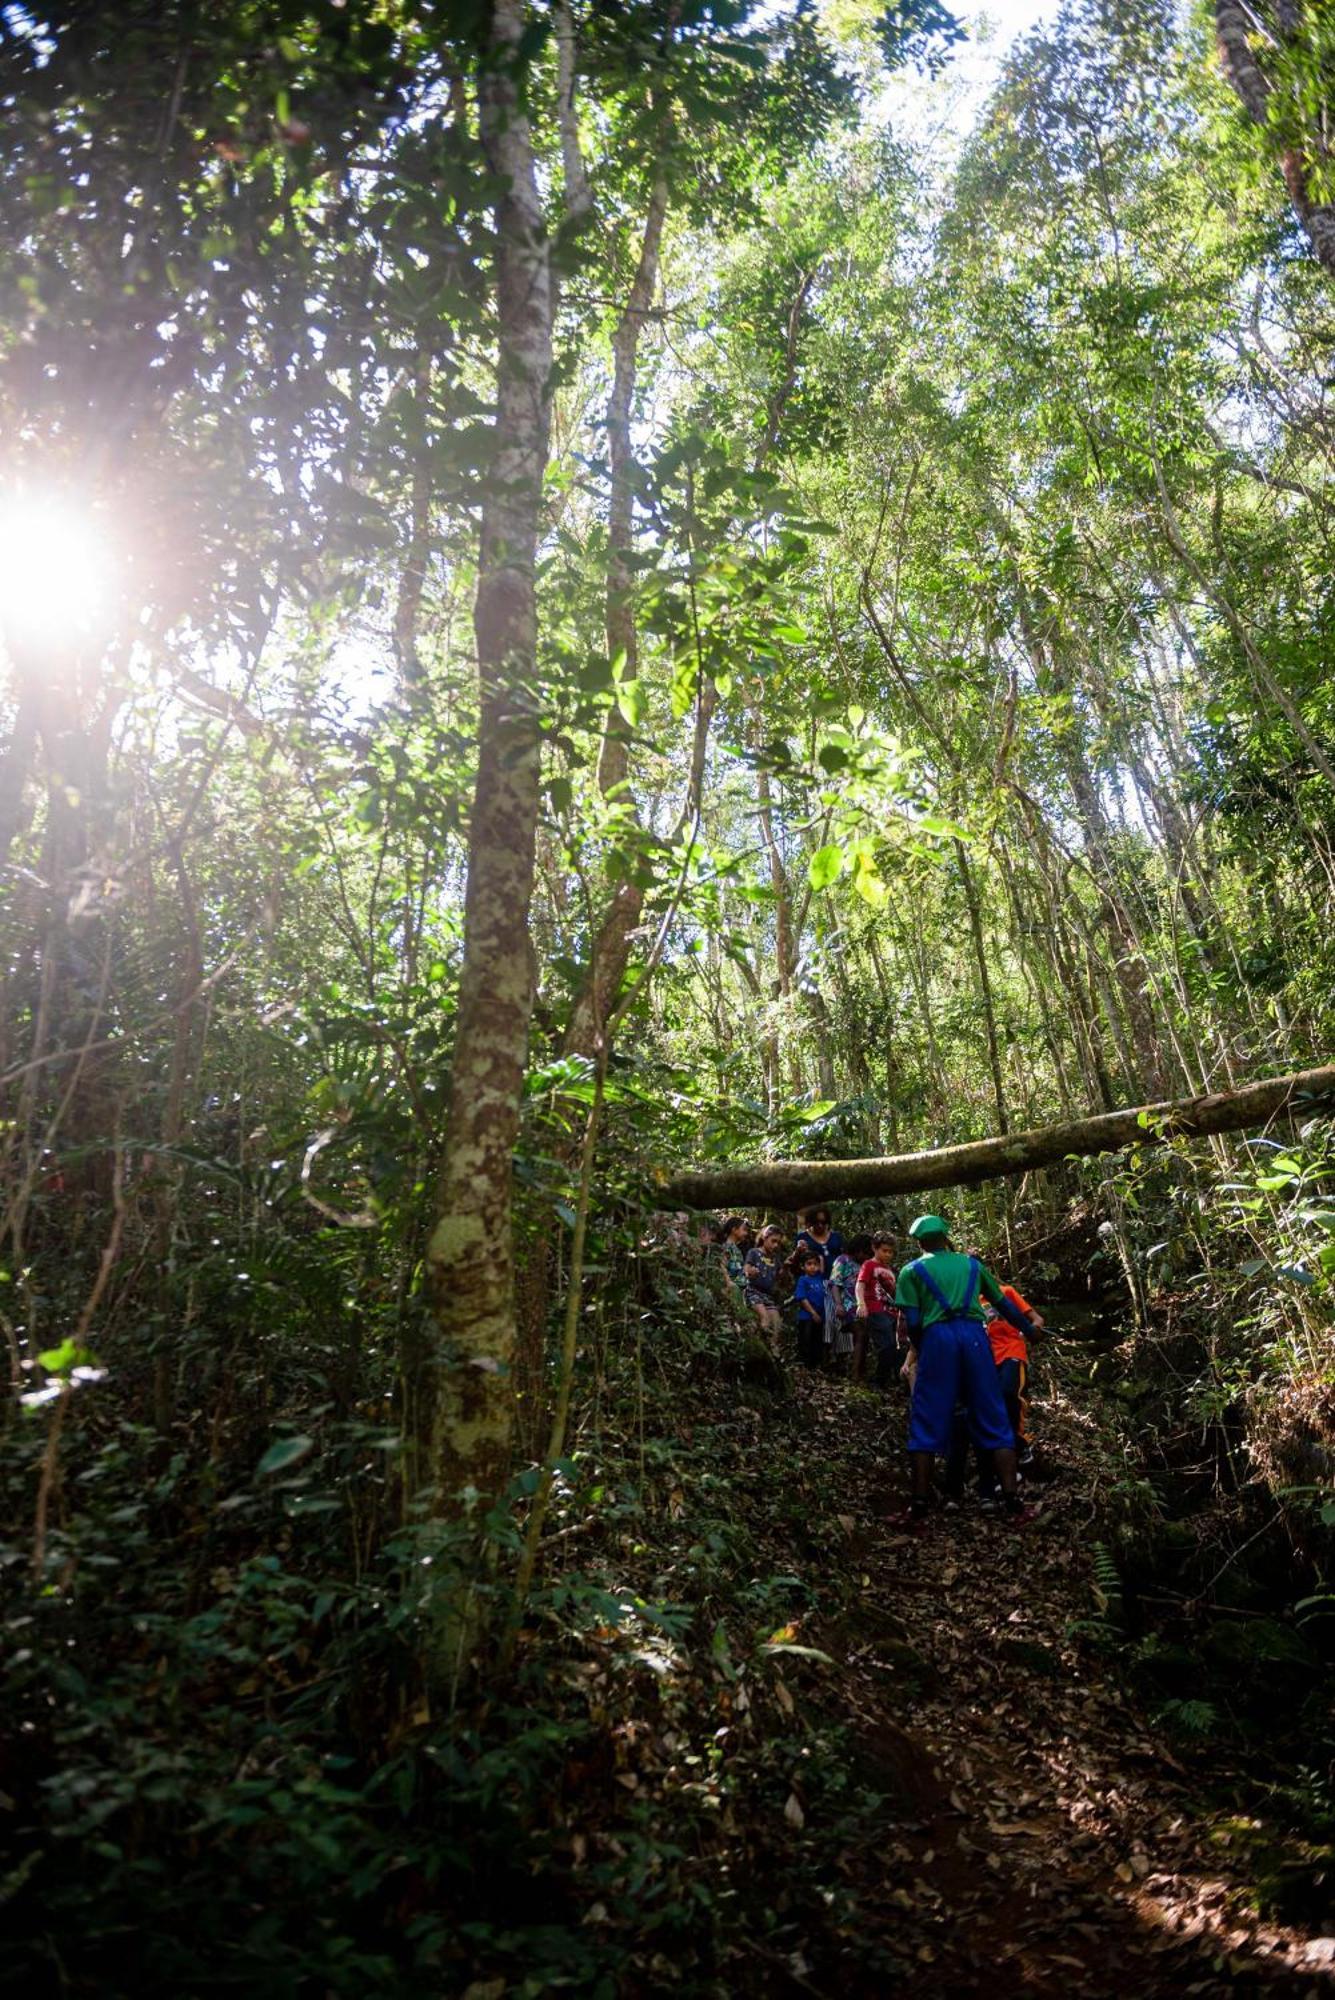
[872, 888]
[287, 1451]
[825, 866]
[59, 1360]
[632, 701]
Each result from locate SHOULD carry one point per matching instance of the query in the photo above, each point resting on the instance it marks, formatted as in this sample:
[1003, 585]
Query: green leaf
[287, 1451]
[633, 702]
[825, 866]
[59, 1360]
[872, 888]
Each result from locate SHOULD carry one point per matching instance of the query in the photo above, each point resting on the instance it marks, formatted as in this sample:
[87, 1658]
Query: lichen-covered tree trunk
[470, 1254]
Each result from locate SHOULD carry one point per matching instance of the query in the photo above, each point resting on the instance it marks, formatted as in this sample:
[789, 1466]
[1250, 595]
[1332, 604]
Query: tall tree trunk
[1023, 932]
[893, 1068]
[1235, 25]
[1267, 687]
[416, 555]
[613, 943]
[785, 935]
[984, 983]
[470, 1261]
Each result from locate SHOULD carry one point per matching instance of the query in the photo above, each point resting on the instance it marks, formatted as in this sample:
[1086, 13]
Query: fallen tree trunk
[792, 1184]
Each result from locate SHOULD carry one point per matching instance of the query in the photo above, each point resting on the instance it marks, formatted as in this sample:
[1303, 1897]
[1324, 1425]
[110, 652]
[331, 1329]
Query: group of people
[943, 1323]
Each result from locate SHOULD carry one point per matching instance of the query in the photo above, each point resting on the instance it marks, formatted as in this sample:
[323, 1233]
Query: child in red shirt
[878, 1315]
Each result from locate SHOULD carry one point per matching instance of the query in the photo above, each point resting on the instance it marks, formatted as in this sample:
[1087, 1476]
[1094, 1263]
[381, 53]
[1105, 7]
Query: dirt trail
[1055, 1849]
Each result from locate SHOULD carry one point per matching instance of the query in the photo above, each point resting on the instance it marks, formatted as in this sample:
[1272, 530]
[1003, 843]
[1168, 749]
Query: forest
[628, 627]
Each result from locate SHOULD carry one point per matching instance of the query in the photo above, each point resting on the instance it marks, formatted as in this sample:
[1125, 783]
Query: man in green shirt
[938, 1295]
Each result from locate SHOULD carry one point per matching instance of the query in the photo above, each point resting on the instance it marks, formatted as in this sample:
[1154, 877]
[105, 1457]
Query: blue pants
[955, 1365]
[884, 1336]
[1011, 1375]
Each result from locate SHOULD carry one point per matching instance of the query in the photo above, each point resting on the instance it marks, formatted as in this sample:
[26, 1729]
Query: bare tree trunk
[614, 941]
[1062, 950]
[984, 983]
[793, 1184]
[412, 577]
[813, 1001]
[1235, 25]
[622, 640]
[912, 954]
[470, 1254]
[890, 1046]
[1265, 682]
[1023, 931]
[180, 1076]
[785, 943]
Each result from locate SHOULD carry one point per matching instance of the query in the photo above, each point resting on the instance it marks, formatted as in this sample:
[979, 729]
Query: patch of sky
[935, 116]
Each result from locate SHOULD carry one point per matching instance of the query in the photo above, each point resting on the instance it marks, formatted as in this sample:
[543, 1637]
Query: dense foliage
[575, 601]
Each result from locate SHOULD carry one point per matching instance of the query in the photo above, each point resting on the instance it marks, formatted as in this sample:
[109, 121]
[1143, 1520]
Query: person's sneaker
[988, 1502]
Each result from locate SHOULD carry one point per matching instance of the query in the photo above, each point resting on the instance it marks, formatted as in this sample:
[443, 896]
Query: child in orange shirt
[1010, 1351]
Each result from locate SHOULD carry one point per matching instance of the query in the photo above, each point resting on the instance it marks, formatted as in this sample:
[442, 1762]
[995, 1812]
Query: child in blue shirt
[809, 1292]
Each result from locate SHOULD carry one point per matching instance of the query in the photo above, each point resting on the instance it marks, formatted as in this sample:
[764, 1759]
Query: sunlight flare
[56, 571]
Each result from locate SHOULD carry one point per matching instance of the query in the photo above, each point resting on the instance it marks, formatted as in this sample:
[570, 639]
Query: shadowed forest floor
[1060, 1845]
[933, 1772]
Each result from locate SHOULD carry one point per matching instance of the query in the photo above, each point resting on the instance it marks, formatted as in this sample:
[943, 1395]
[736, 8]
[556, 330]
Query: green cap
[929, 1225]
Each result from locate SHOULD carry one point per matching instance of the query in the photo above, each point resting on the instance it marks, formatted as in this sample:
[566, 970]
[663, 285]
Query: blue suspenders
[970, 1291]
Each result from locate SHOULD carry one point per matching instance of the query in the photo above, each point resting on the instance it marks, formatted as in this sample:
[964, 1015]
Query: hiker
[1010, 1351]
[762, 1267]
[939, 1295]
[812, 1301]
[817, 1233]
[843, 1289]
[876, 1310]
[733, 1234]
